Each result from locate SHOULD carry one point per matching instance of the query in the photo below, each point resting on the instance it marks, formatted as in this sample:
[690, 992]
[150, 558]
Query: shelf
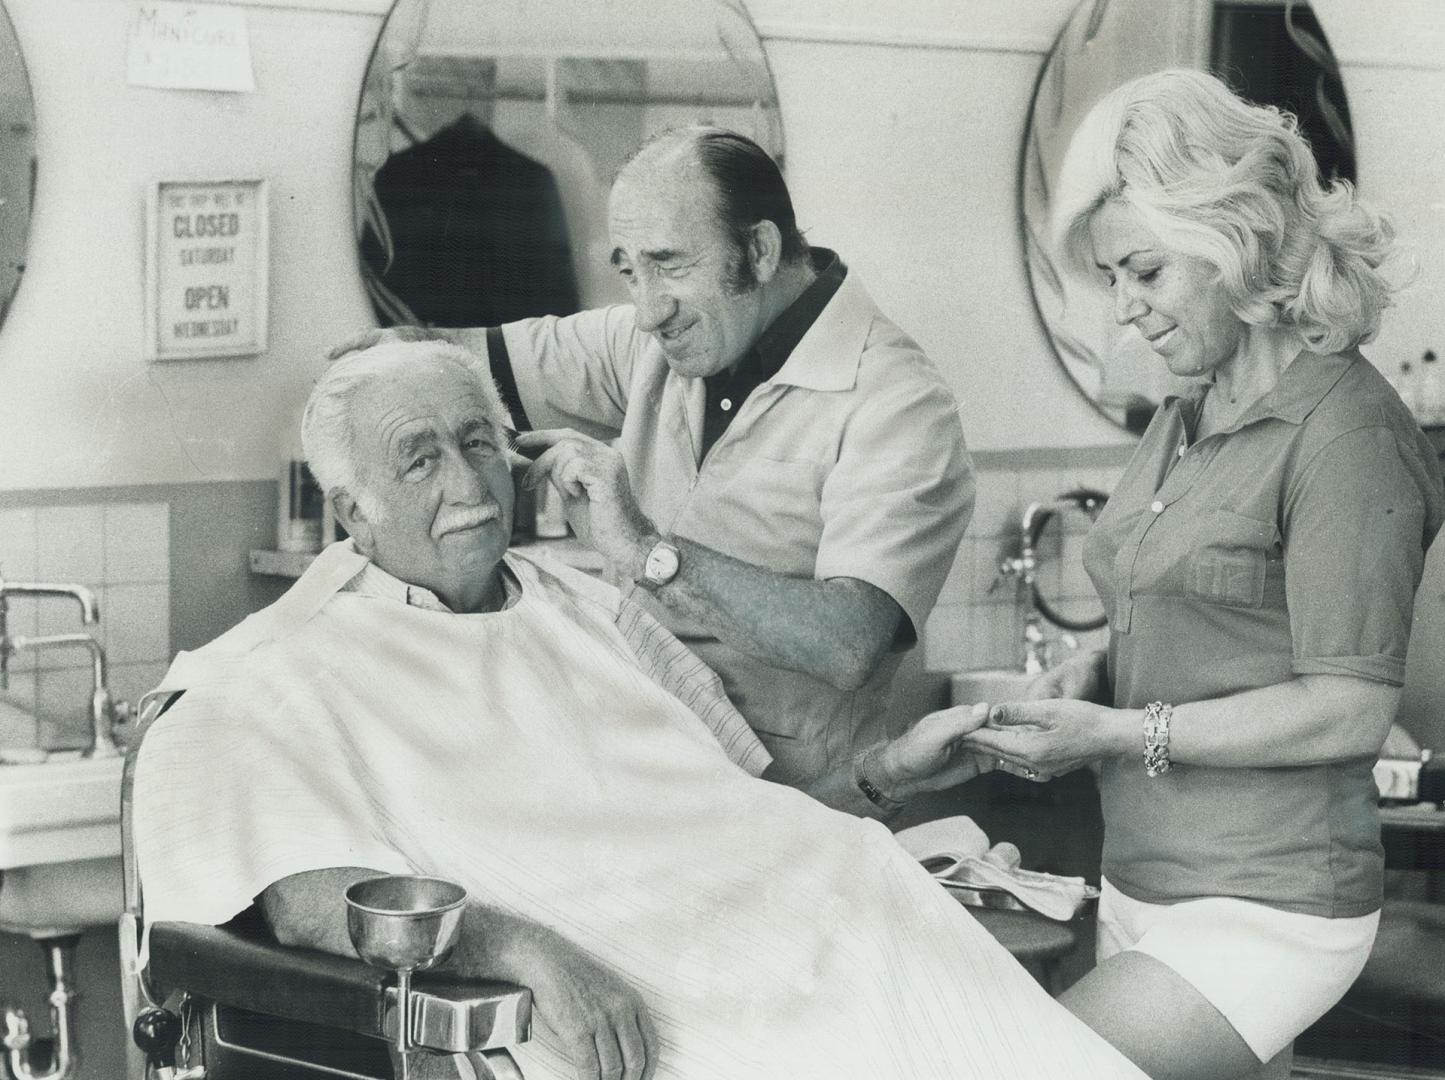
[287, 564]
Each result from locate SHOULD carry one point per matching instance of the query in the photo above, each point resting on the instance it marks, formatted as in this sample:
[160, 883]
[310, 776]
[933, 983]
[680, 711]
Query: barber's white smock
[526, 755]
[849, 462]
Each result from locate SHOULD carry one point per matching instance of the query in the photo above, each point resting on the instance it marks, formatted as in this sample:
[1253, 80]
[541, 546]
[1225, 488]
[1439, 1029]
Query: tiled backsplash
[979, 620]
[122, 552]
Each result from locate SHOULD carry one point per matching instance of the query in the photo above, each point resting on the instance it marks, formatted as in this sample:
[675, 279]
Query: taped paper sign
[190, 47]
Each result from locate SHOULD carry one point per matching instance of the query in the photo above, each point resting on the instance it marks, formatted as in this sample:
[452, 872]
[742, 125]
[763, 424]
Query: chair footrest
[225, 965]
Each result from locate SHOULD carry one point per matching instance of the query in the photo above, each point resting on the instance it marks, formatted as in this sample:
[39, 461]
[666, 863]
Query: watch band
[869, 789]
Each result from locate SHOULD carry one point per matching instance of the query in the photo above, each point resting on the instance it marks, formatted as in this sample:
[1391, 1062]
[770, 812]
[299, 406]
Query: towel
[527, 756]
[964, 845]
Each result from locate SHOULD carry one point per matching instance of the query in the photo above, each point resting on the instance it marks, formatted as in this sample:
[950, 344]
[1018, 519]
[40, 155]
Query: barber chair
[229, 1003]
[1391, 1022]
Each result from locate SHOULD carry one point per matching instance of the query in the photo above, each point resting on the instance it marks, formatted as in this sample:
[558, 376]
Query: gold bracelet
[873, 793]
[1157, 715]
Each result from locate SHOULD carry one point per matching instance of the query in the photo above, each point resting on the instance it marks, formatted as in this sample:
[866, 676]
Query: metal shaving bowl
[404, 922]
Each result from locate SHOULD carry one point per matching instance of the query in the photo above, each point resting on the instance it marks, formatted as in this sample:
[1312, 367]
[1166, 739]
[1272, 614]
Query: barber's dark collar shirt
[727, 391]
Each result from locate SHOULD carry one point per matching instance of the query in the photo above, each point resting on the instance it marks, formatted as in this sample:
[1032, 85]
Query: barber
[776, 466]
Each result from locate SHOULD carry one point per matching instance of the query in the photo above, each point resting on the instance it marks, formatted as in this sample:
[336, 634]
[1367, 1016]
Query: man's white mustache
[467, 518]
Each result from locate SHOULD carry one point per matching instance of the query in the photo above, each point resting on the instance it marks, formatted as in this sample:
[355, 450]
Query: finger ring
[1031, 774]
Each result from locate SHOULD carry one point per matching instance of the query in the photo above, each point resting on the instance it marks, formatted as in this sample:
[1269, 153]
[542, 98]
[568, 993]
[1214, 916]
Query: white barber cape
[526, 755]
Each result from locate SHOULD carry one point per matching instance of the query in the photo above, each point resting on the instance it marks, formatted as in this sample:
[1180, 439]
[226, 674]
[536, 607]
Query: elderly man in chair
[423, 701]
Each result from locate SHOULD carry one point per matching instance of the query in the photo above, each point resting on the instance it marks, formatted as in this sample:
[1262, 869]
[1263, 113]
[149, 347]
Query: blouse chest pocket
[1230, 559]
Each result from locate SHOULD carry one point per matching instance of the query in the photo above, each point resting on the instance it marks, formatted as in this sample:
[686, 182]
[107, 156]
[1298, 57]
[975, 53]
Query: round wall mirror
[489, 132]
[1269, 51]
[17, 162]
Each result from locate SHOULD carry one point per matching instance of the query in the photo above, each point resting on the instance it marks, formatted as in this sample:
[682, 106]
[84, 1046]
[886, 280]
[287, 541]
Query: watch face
[661, 564]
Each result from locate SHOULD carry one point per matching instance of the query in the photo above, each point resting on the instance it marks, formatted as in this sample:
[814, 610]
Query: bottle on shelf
[1431, 412]
[1407, 385]
[300, 505]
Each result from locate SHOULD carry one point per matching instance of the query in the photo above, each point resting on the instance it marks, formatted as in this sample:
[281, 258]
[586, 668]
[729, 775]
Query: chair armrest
[225, 965]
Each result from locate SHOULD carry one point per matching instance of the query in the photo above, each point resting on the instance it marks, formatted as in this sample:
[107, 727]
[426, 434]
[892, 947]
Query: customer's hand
[1082, 677]
[591, 1015]
[931, 755]
[596, 494]
[365, 339]
[1051, 737]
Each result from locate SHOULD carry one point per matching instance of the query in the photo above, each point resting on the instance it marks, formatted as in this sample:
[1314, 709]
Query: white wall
[81, 406]
[903, 124]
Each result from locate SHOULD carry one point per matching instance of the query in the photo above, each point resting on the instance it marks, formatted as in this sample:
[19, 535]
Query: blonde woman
[1258, 563]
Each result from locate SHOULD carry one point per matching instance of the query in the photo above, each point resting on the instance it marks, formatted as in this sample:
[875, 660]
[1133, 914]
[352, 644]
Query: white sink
[59, 845]
[989, 684]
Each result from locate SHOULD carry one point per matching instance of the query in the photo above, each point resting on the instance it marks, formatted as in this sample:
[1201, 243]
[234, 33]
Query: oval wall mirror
[17, 162]
[1269, 51]
[489, 132]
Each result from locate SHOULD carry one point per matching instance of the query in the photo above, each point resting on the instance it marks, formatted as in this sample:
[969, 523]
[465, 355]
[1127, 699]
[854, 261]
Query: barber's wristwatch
[661, 565]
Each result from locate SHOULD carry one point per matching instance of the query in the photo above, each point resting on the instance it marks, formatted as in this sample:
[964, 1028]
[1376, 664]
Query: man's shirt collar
[375, 582]
[772, 349]
[727, 390]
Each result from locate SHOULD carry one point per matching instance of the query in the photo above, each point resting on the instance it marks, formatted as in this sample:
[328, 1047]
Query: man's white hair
[328, 434]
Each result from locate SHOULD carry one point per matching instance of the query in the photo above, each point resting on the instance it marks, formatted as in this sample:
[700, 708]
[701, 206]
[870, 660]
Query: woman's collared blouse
[1291, 543]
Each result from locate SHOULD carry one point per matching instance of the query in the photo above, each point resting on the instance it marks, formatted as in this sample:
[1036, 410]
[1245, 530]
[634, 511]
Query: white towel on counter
[960, 842]
[525, 755]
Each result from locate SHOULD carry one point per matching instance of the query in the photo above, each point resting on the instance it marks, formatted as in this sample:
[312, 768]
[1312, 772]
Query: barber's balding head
[745, 184]
[409, 441]
[703, 233]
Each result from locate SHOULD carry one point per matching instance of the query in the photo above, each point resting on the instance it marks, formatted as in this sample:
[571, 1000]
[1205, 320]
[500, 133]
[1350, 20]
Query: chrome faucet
[1038, 646]
[104, 713]
[89, 613]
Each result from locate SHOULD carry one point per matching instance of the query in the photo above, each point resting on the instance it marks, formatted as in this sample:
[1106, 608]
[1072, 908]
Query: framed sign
[207, 269]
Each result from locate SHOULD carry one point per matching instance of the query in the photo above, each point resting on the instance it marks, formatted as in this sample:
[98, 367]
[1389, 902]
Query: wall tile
[137, 539]
[17, 544]
[946, 637]
[21, 620]
[996, 507]
[998, 638]
[62, 703]
[72, 545]
[130, 682]
[137, 622]
[17, 711]
[61, 615]
[956, 588]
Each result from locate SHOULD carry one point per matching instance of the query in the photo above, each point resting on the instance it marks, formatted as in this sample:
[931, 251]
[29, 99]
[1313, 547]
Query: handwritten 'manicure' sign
[206, 288]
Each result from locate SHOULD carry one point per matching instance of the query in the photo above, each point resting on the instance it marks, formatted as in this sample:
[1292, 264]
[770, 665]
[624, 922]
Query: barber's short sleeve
[575, 371]
[1354, 548]
[895, 505]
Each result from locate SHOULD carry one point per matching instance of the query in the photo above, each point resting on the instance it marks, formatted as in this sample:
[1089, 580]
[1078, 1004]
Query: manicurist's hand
[595, 1018]
[931, 755]
[1050, 737]
[365, 339]
[596, 494]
